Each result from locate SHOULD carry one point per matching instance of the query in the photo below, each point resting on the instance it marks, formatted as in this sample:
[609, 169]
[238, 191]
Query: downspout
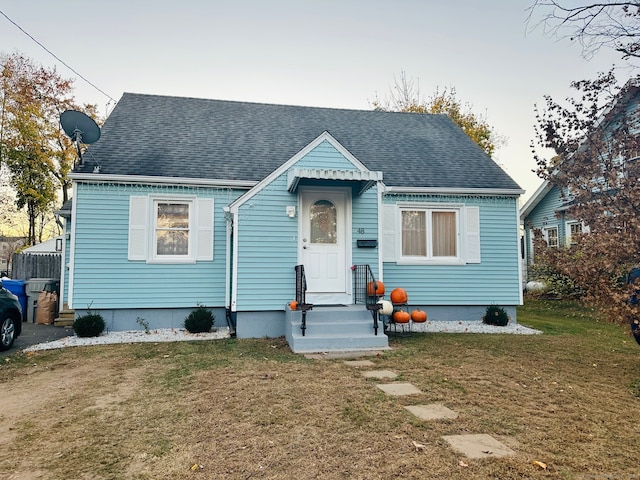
[520, 255]
[72, 248]
[380, 189]
[231, 316]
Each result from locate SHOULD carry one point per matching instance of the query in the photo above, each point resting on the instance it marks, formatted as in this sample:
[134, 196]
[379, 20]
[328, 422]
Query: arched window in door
[323, 224]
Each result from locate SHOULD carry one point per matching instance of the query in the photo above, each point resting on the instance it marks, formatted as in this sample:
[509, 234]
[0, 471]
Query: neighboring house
[8, 246]
[547, 210]
[546, 213]
[185, 202]
[48, 247]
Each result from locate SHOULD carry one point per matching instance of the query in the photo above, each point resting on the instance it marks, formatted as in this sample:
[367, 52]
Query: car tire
[7, 333]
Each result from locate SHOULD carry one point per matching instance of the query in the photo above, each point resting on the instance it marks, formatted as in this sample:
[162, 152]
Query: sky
[325, 53]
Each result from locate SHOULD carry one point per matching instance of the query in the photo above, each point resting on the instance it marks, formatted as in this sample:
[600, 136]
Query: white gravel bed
[181, 335]
[132, 336]
[452, 326]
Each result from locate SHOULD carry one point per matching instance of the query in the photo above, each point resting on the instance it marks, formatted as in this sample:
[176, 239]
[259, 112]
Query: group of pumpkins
[398, 297]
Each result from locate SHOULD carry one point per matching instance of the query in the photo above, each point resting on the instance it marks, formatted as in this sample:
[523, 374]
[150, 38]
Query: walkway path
[472, 445]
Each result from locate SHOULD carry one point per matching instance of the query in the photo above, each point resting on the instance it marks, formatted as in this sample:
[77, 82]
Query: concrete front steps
[334, 329]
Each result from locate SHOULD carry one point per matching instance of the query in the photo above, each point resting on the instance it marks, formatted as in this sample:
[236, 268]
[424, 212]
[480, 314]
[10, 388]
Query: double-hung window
[551, 236]
[170, 229]
[430, 234]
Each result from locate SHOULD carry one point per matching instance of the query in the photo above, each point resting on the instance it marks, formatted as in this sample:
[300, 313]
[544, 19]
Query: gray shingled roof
[214, 139]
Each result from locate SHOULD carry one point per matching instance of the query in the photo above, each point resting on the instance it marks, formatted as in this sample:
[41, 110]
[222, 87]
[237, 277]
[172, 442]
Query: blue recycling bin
[18, 288]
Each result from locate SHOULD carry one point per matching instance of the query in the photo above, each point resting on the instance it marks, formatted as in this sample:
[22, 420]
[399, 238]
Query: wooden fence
[27, 266]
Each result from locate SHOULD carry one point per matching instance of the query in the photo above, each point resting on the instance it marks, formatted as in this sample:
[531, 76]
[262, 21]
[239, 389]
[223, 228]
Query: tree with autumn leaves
[405, 96]
[594, 138]
[595, 164]
[33, 146]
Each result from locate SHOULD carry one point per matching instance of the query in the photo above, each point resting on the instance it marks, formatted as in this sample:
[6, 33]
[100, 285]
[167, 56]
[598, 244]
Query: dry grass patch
[251, 409]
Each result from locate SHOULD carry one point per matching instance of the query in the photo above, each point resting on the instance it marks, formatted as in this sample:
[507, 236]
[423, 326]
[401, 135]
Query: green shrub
[89, 325]
[495, 315]
[199, 321]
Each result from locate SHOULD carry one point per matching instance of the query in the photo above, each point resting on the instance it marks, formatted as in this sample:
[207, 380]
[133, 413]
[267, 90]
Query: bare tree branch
[596, 25]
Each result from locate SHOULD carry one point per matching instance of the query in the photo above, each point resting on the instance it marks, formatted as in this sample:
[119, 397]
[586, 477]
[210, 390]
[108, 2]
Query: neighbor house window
[430, 234]
[170, 229]
[574, 229]
[551, 236]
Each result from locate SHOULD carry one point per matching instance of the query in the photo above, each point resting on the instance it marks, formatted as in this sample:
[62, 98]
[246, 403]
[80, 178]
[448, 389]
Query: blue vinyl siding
[267, 249]
[544, 216]
[268, 240]
[104, 278]
[365, 227]
[66, 256]
[494, 280]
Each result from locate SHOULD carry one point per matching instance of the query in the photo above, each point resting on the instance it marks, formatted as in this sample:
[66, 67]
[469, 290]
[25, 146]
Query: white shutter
[204, 227]
[389, 233]
[138, 225]
[472, 234]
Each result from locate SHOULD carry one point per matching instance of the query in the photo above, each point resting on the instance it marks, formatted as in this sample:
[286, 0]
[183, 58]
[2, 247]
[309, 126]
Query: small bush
[199, 321]
[89, 325]
[495, 315]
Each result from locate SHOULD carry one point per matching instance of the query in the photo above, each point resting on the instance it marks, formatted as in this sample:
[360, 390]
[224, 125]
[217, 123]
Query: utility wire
[56, 57]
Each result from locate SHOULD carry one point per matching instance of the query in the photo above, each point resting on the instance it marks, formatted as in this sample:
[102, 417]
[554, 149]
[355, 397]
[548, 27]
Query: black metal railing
[301, 294]
[366, 288]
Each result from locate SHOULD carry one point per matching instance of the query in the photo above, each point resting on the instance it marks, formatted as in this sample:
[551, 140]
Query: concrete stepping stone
[359, 363]
[478, 446]
[380, 374]
[432, 412]
[398, 389]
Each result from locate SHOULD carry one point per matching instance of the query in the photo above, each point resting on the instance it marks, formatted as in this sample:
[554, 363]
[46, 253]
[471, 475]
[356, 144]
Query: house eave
[153, 180]
[514, 192]
[535, 199]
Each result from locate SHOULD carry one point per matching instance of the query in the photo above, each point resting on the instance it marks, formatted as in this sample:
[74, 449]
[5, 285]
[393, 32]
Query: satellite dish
[80, 128]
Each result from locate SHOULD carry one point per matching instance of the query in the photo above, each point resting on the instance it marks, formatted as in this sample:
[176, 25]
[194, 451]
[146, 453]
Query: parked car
[634, 278]
[10, 318]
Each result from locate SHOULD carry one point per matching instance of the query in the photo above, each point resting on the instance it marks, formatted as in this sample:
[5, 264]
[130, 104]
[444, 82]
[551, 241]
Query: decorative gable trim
[151, 180]
[366, 178]
[324, 136]
[454, 191]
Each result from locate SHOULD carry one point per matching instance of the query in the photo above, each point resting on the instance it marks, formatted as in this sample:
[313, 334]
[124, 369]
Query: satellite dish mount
[80, 128]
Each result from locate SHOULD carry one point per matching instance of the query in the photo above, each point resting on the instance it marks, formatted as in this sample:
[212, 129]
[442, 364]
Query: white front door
[324, 239]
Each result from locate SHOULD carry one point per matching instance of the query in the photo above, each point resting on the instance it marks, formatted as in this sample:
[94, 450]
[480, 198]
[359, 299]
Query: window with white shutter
[170, 229]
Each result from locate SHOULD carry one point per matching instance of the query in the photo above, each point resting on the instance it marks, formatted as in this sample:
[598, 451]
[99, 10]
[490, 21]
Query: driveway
[33, 333]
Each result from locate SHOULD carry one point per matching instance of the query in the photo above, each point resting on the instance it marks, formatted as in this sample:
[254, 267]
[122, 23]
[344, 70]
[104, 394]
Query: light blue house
[546, 215]
[548, 212]
[185, 202]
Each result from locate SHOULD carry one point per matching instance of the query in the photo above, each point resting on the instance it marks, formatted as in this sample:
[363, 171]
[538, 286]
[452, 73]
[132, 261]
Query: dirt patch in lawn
[251, 409]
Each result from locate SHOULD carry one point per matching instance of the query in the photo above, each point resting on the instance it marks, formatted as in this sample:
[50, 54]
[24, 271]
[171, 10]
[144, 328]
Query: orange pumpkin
[401, 316]
[399, 295]
[293, 305]
[419, 316]
[373, 291]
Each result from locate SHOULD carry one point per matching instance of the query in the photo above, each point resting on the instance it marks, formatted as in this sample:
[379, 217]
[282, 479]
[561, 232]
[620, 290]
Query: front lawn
[569, 398]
